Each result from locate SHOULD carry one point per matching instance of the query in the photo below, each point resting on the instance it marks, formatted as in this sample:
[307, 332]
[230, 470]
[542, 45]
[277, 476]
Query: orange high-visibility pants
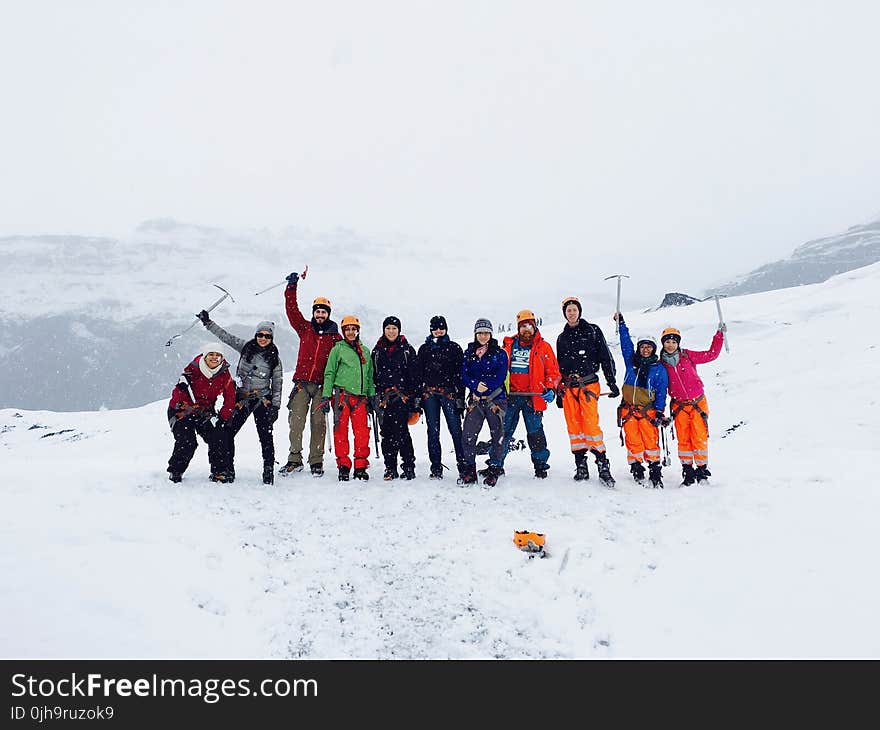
[692, 433]
[582, 418]
[353, 409]
[642, 439]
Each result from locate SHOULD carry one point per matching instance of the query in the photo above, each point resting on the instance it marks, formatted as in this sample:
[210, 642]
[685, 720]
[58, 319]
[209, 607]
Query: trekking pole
[225, 294]
[618, 277]
[329, 435]
[376, 431]
[666, 459]
[275, 286]
[721, 322]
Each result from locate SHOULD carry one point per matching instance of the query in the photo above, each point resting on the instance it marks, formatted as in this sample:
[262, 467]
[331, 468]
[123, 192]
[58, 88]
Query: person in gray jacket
[260, 376]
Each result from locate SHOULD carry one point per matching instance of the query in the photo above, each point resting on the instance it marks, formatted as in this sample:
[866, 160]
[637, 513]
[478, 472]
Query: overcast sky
[566, 134]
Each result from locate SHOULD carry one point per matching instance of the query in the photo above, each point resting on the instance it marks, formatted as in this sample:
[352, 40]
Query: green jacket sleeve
[330, 372]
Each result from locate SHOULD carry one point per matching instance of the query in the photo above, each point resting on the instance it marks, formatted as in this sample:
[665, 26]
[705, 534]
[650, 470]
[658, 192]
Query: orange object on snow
[522, 538]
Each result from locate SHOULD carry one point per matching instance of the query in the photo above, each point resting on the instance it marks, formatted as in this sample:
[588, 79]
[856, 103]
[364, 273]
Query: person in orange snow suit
[349, 389]
[644, 401]
[689, 407]
[582, 350]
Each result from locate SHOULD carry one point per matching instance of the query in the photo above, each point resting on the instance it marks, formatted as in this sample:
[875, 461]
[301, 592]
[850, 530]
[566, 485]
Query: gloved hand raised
[292, 278]
[722, 327]
[613, 390]
[204, 318]
[618, 317]
[548, 395]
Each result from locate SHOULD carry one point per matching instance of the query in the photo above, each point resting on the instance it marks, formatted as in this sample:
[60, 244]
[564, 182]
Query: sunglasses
[264, 335]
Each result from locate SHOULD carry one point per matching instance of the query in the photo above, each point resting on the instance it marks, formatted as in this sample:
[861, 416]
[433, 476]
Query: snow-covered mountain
[776, 558]
[813, 262]
[84, 320]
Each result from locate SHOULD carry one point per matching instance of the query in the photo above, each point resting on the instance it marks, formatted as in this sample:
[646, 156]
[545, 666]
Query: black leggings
[395, 434]
[264, 424]
[218, 438]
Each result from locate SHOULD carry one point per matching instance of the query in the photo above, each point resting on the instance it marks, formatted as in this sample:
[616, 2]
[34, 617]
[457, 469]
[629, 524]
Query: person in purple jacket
[483, 372]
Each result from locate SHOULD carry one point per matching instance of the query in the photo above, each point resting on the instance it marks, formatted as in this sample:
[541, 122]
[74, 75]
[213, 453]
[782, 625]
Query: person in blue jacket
[641, 413]
[483, 372]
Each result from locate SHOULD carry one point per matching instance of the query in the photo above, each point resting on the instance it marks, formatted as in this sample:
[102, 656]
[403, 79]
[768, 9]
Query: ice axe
[214, 305]
[618, 277]
[274, 286]
[721, 322]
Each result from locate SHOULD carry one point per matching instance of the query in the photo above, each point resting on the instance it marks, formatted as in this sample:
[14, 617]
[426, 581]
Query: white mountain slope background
[104, 557]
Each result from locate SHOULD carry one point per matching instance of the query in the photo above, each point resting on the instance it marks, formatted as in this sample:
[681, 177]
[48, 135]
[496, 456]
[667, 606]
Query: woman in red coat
[191, 411]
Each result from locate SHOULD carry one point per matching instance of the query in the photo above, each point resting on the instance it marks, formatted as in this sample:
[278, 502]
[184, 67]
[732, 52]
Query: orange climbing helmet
[670, 333]
[350, 319]
[321, 302]
[524, 315]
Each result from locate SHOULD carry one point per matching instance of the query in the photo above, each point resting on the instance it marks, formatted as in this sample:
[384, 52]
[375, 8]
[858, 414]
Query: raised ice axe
[269, 288]
[618, 277]
[721, 323]
[215, 304]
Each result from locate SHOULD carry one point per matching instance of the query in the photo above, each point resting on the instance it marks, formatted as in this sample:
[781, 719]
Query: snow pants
[352, 408]
[641, 436]
[303, 399]
[263, 422]
[433, 405]
[396, 439]
[535, 437]
[692, 432]
[217, 437]
[581, 408]
[478, 413]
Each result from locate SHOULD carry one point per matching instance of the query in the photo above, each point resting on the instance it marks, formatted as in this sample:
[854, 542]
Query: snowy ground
[103, 557]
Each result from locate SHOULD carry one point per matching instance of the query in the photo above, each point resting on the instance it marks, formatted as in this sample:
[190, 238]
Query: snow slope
[103, 557]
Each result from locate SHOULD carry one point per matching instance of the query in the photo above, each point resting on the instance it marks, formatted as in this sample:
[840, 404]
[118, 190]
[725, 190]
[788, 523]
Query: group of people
[489, 382]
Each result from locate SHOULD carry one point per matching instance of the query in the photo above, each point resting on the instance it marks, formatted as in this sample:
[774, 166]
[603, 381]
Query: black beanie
[438, 322]
[391, 320]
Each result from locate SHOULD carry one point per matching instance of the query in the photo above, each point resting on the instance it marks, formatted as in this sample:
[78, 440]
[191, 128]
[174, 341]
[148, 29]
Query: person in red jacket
[535, 373]
[316, 338]
[191, 411]
[690, 410]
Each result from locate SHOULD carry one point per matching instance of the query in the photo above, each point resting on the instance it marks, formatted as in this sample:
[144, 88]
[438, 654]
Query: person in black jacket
[395, 372]
[442, 390]
[581, 350]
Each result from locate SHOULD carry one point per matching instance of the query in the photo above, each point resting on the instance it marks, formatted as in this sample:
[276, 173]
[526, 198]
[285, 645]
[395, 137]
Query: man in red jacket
[316, 338]
[535, 373]
[191, 411]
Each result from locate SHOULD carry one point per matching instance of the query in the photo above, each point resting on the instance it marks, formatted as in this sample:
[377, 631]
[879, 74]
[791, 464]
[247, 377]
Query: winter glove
[325, 406]
[292, 278]
[619, 318]
[273, 414]
[416, 405]
[559, 401]
[203, 317]
[548, 395]
[722, 327]
[613, 390]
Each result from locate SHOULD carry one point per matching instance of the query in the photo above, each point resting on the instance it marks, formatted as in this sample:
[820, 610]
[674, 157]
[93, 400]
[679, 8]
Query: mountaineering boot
[485, 472]
[222, 477]
[491, 478]
[290, 467]
[468, 475]
[541, 471]
[409, 472]
[638, 471]
[361, 473]
[655, 474]
[390, 473]
[582, 471]
[175, 477]
[702, 474]
[436, 471]
[317, 470]
[688, 475]
[604, 469]
[343, 473]
[268, 473]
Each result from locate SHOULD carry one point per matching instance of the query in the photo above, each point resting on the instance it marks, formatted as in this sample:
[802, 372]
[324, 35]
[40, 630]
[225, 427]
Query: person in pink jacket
[688, 405]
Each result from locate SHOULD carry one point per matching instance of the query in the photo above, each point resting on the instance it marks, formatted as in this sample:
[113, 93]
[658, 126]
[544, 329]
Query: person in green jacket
[350, 390]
